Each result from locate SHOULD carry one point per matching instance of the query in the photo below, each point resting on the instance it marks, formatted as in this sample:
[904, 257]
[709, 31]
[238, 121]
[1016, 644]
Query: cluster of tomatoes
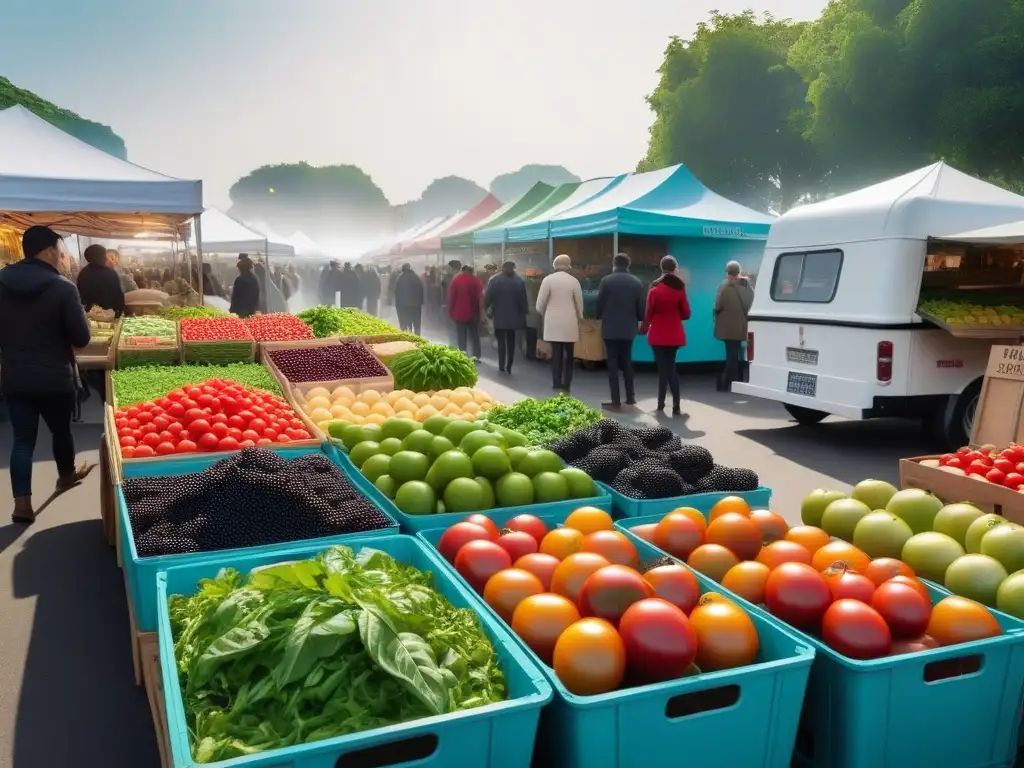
[1005, 467]
[278, 326]
[214, 329]
[216, 415]
[859, 607]
[578, 597]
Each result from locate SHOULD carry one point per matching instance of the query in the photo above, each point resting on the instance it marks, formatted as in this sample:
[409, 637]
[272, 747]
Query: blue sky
[408, 90]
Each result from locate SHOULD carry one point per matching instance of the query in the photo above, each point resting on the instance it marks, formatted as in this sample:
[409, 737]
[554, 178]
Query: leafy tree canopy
[99, 136]
[509, 186]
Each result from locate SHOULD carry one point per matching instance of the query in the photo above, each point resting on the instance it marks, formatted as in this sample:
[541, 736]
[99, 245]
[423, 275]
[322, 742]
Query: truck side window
[810, 276]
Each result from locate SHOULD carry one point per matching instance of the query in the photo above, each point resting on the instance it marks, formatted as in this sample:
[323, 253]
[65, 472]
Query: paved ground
[67, 696]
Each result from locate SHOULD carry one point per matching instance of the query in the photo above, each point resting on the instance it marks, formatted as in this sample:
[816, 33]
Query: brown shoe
[67, 482]
[23, 512]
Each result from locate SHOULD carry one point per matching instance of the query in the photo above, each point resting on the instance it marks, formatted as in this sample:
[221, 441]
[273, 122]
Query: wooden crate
[152, 680]
[192, 351]
[382, 384]
[108, 495]
[138, 639]
[100, 356]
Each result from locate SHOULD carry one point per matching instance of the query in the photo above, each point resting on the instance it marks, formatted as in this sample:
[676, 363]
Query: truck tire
[804, 416]
[959, 416]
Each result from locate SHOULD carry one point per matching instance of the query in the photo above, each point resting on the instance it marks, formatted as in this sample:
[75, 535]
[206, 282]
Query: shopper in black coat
[245, 294]
[371, 288]
[409, 296]
[620, 308]
[349, 288]
[505, 300]
[99, 285]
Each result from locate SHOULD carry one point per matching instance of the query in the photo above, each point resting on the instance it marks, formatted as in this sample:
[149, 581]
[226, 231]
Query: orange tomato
[561, 542]
[696, 515]
[729, 504]
[773, 527]
[837, 550]
[779, 552]
[507, 588]
[677, 534]
[959, 620]
[747, 580]
[675, 584]
[645, 531]
[541, 619]
[714, 597]
[540, 565]
[807, 536]
[881, 569]
[913, 581]
[590, 657]
[589, 519]
[737, 533]
[726, 636]
[613, 546]
[713, 560]
[568, 578]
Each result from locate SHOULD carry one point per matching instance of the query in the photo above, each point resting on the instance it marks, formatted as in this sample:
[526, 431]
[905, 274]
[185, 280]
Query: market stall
[431, 243]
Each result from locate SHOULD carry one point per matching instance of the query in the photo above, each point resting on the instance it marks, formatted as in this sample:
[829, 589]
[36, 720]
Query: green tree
[509, 186]
[442, 197]
[730, 108]
[325, 202]
[99, 136]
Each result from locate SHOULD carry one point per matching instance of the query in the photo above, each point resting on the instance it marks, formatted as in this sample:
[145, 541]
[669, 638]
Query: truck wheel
[805, 416]
[959, 416]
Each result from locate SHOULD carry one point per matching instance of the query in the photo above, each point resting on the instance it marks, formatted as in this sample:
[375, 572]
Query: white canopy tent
[304, 245]
[49, 177]
[222, 234]
[1003, 234]
[933, 202]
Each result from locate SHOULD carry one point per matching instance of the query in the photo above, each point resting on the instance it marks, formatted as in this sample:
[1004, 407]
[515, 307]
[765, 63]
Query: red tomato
[207, 442]
[678, 535]
[913, 645]
[264, 441]
[175, 428]
[257, 425]
[845, 583]
[161, 423]
[676, 584]
[797, 594]
[608, 592]
[227, 444]
[283, 439]
[186, 446]
[151, 439]
[486, 523]
[660, 643]
[540, 565]
[164, 448]
[517, 544]
[914, 582]
[251, 435]
[903, 608]
[881, 569]
[236, 421]
[530, 524]
[451, 540]
[199, 427]
[145, 417]
[192, 414]
[856, 630]
[142, 452]
[477, 561]
[128, 441]
[128, 452]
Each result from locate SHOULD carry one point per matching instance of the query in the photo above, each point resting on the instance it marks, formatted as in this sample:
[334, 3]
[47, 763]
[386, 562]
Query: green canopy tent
[496, 233]
[508, 212]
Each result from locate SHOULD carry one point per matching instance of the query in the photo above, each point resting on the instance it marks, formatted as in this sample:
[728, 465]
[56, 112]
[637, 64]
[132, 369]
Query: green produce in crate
[157, 327]
[310, 650]
[344, 321]
[180, 313]
[433, 367]
[543, 422]
[137, 385]
[217, 353]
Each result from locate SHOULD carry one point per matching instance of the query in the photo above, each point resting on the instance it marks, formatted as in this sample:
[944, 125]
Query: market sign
[719, 231]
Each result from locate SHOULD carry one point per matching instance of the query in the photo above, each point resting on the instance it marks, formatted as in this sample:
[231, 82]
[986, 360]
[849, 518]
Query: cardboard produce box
[997, 422]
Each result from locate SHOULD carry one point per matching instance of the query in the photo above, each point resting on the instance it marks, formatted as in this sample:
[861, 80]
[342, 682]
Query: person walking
[732, 306]
[506, 302]
[465, 301]
[560, 301]
[99, 285]
[620, 308]
[42, 322]
[349, 287]
[245, 293]
[667, 310]
[370, 281]
[409, 300]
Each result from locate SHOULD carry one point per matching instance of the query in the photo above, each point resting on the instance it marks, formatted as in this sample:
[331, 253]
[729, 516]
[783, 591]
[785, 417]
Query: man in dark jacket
[245, 293]
[99, 285]
[505, 300]
[42, 322]
[620, 308]
[349, 288]
[327, 287]
[409, 300]
[371, 288]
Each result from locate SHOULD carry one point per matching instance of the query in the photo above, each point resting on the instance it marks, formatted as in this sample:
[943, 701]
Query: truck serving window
[809, 276]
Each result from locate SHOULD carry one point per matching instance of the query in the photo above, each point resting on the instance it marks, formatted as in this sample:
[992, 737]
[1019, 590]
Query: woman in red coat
[667, 308]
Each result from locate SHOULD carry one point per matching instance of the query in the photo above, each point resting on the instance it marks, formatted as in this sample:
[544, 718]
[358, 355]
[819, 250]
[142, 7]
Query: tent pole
[551, 248]
[615, 243]
[199, 258]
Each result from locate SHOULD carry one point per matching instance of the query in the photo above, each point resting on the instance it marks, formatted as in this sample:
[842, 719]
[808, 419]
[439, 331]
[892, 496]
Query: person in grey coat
[620, 308]
[505, 301]
[732, 306]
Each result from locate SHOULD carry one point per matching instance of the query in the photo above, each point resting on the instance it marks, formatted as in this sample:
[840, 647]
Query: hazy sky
[409, 90]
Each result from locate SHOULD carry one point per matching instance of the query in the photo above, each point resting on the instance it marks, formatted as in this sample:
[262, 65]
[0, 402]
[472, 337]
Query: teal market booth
[702, 230]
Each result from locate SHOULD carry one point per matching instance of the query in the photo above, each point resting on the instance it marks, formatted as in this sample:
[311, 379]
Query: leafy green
[432, 367]
[143, 383]
[181, 313]
[544, 421]
[327, 321]
[309, 650]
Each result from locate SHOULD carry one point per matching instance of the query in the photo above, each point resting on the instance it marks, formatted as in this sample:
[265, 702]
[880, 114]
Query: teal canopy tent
[496, 234]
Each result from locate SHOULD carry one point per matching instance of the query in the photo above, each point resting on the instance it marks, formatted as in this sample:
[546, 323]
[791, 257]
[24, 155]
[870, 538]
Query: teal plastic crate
[623, 506]
[496, 736]
[140, 572]
[739, 717]
[884, 713]
[416, 523]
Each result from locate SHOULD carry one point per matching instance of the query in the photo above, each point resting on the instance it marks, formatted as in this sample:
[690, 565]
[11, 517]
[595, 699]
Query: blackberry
[578, 444]
[604, 463]
[736, 480]
[656, 480]
[655, 437]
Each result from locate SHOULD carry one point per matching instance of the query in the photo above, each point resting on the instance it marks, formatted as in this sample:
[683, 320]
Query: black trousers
[731, 371]
[409, 318]
[619, 354]
[506, 348]
[25, 410]
[668, 375]
[468, 335]
[562, 363]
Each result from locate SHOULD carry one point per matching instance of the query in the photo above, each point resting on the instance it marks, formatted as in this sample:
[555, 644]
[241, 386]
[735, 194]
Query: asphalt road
[67, 694]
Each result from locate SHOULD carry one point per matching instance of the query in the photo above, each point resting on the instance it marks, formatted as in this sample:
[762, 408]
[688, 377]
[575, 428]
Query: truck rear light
[750, 346]
[883, 361]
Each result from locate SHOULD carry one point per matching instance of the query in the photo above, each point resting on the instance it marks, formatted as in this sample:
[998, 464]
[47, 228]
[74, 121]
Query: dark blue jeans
[25, 409]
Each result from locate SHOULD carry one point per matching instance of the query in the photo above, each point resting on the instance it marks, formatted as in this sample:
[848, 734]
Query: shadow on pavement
[79, 648]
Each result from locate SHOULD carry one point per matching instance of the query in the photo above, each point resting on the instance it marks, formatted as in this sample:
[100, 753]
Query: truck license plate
[804, 356]
[805, 384]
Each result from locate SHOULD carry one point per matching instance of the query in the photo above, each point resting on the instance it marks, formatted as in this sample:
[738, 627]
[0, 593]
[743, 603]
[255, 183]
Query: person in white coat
[560, 301]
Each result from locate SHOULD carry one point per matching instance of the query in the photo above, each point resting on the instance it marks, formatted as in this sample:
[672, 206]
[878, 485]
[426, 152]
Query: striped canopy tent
[536, 227]
[508, 212]
[409, 246]
[496, 234]
[431, 242]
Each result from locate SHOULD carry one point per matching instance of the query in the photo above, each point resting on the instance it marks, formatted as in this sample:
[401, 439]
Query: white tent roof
[305, 246]
[1004, 234]
[935, 201]
[49, 177]
[408, 244]
[222, 234]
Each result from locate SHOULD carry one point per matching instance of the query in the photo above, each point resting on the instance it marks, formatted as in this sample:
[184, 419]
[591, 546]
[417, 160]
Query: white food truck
[835, 327]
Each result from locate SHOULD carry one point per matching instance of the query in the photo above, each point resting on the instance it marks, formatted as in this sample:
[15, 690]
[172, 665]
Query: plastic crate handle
[692, 703]
[410, 749]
